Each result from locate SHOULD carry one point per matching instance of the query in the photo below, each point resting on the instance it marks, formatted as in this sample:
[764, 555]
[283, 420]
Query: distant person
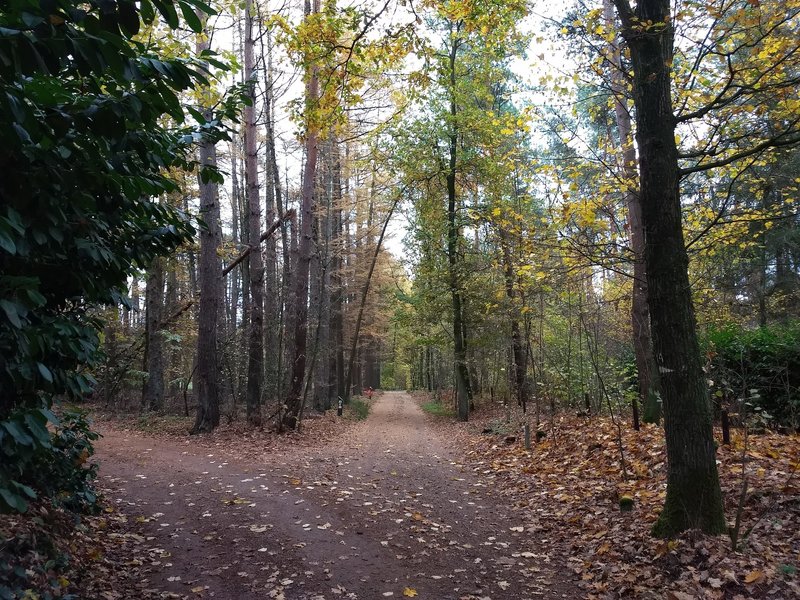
[369, 392]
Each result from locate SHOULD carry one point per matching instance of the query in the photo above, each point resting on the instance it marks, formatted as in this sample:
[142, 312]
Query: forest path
[384, 511]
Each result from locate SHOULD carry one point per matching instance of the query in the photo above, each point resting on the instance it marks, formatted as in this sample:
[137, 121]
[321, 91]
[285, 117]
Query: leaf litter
[567, 490]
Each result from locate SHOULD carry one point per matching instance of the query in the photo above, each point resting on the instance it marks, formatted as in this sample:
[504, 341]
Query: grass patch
[438, 409]
[359, 408]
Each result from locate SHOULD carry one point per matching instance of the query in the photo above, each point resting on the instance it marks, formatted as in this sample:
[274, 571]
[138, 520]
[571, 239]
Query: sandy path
[385, 510]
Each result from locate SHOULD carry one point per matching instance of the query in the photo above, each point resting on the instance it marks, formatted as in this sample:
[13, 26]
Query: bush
[359, 408]
[47, 462]
[438, 409]
[758, 368]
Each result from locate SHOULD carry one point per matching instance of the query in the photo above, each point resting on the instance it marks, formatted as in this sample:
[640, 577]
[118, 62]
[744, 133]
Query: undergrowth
[437, 409]
[359, 408]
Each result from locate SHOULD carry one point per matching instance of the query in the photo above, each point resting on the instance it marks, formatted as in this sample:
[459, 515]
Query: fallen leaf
[753, 576]
[409, 592]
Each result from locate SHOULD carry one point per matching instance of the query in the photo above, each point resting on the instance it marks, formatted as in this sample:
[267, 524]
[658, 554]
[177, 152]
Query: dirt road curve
[385, 512]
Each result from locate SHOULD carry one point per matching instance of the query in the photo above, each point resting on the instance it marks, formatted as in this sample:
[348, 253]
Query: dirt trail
[383, 511]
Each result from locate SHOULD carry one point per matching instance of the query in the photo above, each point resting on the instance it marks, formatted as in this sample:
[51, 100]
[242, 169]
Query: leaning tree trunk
[693, 497]
[353, 370]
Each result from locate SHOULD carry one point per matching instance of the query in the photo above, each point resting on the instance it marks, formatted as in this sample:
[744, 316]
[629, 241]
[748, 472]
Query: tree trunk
[519, 366]
[206, 379]
[693, 497]
[237, 237]
[172, 368]
[272, 308]
[464, 395]
[295, 395]
[153, 392]
[255, 360]
[646, 373]
[352, 366]
[337, 288]
[210, 285]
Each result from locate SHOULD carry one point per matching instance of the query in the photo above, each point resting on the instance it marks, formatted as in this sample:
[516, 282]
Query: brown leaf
[754, 576]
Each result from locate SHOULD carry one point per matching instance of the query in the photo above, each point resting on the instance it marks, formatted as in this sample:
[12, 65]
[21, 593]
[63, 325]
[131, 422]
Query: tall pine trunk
[206, 377]
[209, 277]
[294, 398]
[255, 359]
[272, 318]
[153, 392]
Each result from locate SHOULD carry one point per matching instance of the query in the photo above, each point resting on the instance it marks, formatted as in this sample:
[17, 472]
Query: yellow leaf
[198, 589]
[409, 592]
[754, 576]
[417, 516]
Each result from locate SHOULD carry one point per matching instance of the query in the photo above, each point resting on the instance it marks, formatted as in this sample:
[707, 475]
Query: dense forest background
[590, 207]
[539, 241]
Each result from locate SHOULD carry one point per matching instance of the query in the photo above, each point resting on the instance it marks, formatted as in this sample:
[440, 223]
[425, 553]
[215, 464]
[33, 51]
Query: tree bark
[463, 392]
[295, 395]
[519, 366]
[153, 392]
[255, 358]
[207, 372]
[272, 308]
[694, 499]
[646, 373]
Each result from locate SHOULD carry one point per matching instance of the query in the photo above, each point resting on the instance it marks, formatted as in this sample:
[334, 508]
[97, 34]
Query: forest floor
[407, 504]
[384, 508]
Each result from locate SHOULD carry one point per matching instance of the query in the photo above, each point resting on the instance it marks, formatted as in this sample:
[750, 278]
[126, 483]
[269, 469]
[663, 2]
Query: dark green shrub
[47, 462]
[359, 409]
[757, 370]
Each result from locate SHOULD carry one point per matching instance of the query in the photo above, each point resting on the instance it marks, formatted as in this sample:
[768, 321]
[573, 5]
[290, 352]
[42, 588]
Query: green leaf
[50, 416]
[10, 309]
[128, 17]
[17, 432]
[202, 6]
[37, 425]
[7, 244]
[45, 372]
[12, 500]
[167, 10]
[191, 18]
